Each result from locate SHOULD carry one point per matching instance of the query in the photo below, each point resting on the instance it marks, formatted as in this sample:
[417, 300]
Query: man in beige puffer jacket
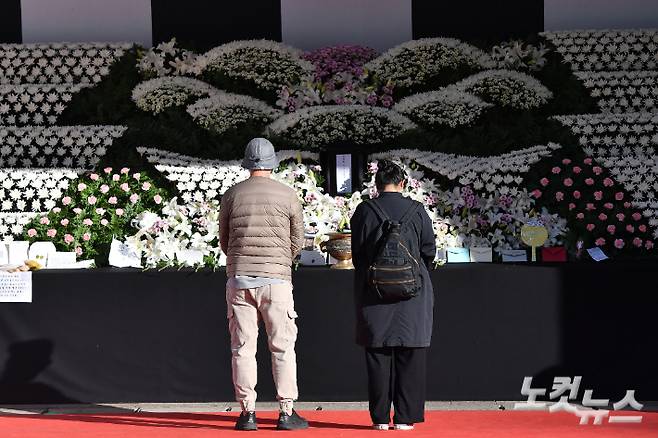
[261, 233]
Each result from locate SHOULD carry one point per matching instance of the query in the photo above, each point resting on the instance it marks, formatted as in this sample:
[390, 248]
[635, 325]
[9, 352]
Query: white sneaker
[380, 426]
[404, 427]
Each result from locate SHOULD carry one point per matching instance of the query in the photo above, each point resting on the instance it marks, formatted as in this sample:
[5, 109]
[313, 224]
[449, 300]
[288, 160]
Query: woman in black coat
[395, 335]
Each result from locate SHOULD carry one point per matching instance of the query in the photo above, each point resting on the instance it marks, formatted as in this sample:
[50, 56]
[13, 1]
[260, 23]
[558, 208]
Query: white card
[41, 251]
[4, 254]
[190, 257]
[481, 254]
[18, 252]
[597, 254]
[15, 287]
[123, 255]
[61, 260]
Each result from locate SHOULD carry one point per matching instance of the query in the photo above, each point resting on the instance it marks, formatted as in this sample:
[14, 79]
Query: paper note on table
[597, 254]
[16, 287]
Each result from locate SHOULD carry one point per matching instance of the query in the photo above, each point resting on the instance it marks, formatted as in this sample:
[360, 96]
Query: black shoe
[291, 422]
[246, 421]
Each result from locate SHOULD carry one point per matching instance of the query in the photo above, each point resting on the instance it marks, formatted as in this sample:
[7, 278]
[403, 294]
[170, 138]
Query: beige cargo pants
[274, 305]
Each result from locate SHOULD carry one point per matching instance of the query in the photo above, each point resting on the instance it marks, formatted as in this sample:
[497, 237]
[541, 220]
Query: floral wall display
[58, 63]
[600, 212]
[23, 105]
[234, 92]
[79, 147]
[607, 50]
[626, 146]
[623, 91]
[503, 173]
[33, 190]
[478, 129]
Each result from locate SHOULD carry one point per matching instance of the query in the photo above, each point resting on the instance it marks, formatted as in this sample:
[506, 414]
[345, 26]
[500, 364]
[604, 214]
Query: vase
[339, 246]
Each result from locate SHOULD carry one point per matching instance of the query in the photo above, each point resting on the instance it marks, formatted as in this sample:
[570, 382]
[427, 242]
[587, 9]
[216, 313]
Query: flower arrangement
[34, 104]
[599, 211]
[156, 95]
[623, 91]
[166, 59]
[609, 50]
[322, 213]
[462, 218]
[447, 106]
[222, 112]
[166, 238]
[339, 79]
[416, 62]
[515, 55]
[316, 126]
[33, 190]
[342, 89]
[79, 147]
[267, 65]
[58, 63]
[507, 88]
[95, 208]
[328, 61]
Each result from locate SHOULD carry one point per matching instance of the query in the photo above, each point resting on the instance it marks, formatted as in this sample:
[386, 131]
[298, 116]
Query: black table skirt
[110, 335]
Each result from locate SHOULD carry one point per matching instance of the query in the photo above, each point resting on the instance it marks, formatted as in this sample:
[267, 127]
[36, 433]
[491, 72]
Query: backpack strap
[409, 213]
[378, 210]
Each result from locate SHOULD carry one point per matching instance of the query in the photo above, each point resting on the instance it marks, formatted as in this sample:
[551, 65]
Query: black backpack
[395, 274]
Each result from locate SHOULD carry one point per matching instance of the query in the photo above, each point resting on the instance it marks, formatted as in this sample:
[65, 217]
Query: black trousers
[397, 375]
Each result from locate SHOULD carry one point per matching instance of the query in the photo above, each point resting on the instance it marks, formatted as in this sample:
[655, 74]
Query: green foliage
[95, 208]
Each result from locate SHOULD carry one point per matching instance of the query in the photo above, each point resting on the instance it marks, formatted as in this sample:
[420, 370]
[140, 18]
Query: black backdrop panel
[477, 19]
[208, 23]
[128, 336]
[10, 22]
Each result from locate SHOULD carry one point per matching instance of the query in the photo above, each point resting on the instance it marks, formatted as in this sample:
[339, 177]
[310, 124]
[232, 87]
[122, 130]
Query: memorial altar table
[123, 335]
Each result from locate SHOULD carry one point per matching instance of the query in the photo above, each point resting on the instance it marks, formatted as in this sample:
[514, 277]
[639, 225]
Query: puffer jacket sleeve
[296, 227]
[224, 221]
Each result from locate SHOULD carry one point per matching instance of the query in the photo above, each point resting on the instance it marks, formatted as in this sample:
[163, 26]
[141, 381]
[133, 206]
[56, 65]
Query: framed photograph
[343, 169]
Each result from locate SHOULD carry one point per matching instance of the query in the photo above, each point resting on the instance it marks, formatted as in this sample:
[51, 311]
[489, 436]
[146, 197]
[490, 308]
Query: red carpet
[449, 424]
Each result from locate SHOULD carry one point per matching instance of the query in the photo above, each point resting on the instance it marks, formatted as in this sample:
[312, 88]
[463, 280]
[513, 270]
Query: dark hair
[388, 173]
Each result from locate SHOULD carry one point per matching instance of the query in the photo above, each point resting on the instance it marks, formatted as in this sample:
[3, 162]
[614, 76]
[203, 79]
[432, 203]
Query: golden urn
[339, 247]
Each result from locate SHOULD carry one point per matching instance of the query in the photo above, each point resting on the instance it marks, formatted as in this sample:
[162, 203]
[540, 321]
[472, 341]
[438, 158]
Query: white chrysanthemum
[267, 64]
[13, 224]
[623, 91]
[34, 104]
[315, 126]
[507, 88]
[43, 63]
[24, 190]
[56, 146]
[442, 107]
[490, 173]
[224, 111]
[156, 95]
[417, 61]
[607, 49]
